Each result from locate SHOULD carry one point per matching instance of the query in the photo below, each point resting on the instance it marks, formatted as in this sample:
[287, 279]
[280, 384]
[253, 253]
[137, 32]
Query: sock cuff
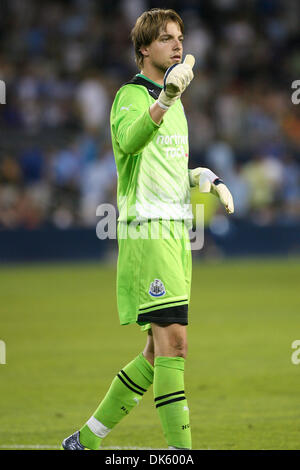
[146, 363]
[170, 362]
[144, 367]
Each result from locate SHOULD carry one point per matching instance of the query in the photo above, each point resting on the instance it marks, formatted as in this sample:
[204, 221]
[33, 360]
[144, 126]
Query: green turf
[64, 346]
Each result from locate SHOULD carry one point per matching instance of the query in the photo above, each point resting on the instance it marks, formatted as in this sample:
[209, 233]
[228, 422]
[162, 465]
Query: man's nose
[177, 44]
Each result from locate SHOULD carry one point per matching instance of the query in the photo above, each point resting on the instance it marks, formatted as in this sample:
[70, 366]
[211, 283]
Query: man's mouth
[176, 57]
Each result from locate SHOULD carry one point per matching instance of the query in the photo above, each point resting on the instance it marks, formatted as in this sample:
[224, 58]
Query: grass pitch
[64, 345]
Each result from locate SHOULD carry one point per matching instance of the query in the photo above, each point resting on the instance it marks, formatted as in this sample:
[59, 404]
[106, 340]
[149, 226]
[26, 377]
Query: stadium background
[62, 62]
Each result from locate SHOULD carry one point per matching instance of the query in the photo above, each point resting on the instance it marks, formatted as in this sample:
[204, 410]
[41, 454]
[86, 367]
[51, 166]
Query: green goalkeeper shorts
[153, 273]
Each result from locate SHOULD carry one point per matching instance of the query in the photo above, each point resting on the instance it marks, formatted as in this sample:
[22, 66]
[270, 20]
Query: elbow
[130, 148]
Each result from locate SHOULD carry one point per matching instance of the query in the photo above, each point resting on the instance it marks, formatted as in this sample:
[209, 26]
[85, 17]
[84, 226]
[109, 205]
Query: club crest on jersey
[157, 289]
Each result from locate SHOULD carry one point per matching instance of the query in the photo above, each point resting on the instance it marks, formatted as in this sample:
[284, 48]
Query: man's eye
[166, 39]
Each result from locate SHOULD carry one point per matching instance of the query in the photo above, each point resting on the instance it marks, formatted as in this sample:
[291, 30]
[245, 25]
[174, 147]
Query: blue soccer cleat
[72, 443]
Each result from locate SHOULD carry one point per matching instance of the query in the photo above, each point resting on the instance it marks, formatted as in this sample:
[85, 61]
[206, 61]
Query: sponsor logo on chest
[173, 145]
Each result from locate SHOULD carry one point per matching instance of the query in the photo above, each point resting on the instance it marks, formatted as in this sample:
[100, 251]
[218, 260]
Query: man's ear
[144, 50]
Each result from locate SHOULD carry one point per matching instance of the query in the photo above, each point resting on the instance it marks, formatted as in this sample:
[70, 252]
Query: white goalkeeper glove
[209, 182]
[176, 80]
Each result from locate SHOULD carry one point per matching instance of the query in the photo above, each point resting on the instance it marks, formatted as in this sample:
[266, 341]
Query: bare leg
[169, 340]
[149, 349]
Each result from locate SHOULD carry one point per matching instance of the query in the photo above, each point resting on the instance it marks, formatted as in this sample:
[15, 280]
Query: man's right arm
[157, 113]
[134, 123]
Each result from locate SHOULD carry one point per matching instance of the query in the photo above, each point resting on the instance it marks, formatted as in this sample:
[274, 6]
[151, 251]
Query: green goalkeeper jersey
[151, 159]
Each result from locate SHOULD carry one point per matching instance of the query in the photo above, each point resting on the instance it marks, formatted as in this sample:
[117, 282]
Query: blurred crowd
[62, 63]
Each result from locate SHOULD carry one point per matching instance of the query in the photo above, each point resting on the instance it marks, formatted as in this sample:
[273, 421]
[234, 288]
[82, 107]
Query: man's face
[166, 50]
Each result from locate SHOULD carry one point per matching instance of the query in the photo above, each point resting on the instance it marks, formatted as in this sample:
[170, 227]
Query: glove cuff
[164, 101]
[162, 106]
[218, 181]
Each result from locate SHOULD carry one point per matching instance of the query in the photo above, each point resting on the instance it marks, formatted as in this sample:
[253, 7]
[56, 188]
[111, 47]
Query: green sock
[170, 401]
[126, 391]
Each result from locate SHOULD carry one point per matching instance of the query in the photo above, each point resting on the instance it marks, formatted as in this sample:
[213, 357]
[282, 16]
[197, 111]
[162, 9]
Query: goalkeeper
[150, 142]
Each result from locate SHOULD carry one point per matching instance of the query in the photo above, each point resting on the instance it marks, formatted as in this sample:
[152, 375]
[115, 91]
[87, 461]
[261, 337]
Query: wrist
[157, 113]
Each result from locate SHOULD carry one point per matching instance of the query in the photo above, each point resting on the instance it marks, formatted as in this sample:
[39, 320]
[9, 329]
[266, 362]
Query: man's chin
[171, 62]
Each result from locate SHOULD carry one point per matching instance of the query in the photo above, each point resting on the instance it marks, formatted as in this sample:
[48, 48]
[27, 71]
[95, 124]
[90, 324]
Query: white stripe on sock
[97, 428]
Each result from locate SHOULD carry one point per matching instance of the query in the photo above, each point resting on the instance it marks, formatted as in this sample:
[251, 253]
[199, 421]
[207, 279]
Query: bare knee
[170, 340]
[178, 346]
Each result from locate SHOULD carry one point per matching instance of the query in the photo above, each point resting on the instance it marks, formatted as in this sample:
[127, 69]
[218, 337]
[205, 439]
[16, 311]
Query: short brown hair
[147, 28]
